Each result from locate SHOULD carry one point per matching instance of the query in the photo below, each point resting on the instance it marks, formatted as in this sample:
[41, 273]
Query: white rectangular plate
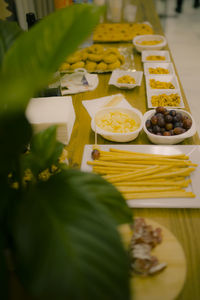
[153, 92]
[163, 78]
[137, 75]
[192, 150]
[169, 66]
[164, 53]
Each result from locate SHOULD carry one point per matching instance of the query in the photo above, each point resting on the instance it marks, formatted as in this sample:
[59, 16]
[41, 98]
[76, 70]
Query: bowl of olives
[168, 127]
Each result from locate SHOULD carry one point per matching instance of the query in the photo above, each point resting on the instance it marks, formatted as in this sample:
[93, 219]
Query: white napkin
[92, 106]
[74, 84]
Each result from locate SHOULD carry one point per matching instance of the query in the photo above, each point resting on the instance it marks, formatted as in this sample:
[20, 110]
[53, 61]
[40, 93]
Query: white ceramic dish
[193, 151]
[118, 137]
[163, 78]
[153, 92]
[149, 37]
[147, 53]
[167, 66]
[137, 75]
[168, 140]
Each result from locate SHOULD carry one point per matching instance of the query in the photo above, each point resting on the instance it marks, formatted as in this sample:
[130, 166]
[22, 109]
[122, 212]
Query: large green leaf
[4, 276]
[15, 134]
[45, 151]
[66, 246]
[104, 192]
[9, 31]
[32, 59]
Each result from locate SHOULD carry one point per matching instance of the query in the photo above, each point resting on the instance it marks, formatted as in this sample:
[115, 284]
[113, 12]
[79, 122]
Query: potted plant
[60, 233]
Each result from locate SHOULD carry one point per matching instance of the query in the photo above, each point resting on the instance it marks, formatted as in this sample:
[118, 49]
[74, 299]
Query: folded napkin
[78, 82]
[92, 106]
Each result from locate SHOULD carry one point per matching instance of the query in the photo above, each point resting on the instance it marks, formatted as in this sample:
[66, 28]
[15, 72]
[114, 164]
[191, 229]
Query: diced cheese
[45, 112]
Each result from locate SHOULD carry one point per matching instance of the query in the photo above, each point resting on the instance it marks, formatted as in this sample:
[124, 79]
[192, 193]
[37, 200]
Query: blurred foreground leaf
[66, 246]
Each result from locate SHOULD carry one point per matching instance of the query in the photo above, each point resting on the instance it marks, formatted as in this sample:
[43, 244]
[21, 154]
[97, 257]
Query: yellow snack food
[149, 43]
[79, 64]
[126, 79]
[155, 84]
[64, 66]
[73, 59]
[155, 57]
[166, 100]
[94, 57]
[114, 65]
[102, 66]
[109, 59]
[158, 70]
[90, 66]
[117, 121]
[117, 32]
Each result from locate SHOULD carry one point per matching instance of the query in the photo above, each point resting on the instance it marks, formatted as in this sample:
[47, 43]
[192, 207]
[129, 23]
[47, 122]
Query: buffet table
[183, 223]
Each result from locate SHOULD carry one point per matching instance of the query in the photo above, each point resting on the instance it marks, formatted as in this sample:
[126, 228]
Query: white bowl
[115, 136]
[137, 75]
[168, 140]
[149, 37]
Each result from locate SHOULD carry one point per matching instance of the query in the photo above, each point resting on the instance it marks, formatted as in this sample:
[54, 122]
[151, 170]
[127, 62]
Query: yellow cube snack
[158, 70]
[156, 84]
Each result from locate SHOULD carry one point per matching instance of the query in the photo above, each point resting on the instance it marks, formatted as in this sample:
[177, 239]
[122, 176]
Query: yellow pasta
[140, 175]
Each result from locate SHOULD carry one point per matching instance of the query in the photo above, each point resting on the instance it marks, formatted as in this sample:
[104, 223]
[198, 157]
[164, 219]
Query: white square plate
[164, 53]
[167, 66]
[137, 75]
[153, 92]
[164, 78]
[192, 150]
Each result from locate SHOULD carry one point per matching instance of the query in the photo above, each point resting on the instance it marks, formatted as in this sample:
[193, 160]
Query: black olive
[172, 113]
[168, 118]
[178, 124]
[169, 126]
[187, 123]
[161, 109]
[95, 154]
[154, 120]
[166, 133]
[156, 129]
[148, 124]
[161, 122]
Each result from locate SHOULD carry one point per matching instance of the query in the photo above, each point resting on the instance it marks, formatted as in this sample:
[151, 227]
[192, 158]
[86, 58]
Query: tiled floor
[183, 34]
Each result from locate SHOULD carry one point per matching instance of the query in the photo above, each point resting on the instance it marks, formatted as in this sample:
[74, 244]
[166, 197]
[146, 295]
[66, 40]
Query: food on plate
[168, 122]
[126, 79]
[166, 100]
[155, 57]
[149, 43]
[140, 175]
[158, 70]
[165, 284]
[156, 84]
[117, 121]
[143, 240]
[94, 58]
[107, 32]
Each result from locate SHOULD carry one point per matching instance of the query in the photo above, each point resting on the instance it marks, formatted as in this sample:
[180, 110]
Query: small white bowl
[137, 75]
[149, 37]
[163, 78]
[168, 140]
[115, 136]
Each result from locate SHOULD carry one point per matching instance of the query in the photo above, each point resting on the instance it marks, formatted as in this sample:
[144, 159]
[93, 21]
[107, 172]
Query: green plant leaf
[32, 59]
[66, 246]
[15, 134]
[45, 151]
[4, 276]
[9, 31]
[104, 192]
